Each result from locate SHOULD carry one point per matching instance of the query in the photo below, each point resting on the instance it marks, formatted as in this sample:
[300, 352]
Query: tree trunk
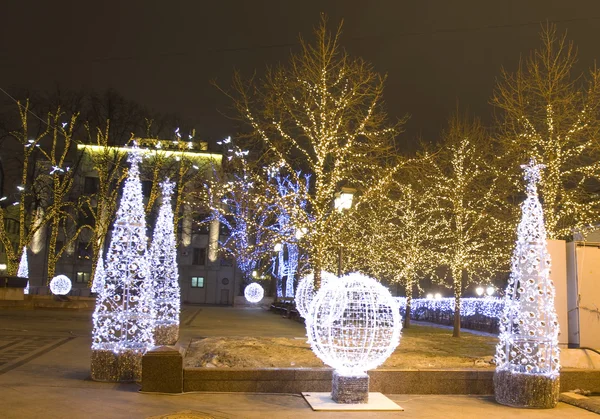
[409, 292]
[457, 302]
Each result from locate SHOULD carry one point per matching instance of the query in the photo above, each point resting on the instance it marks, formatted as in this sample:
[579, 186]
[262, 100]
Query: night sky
[164, 54]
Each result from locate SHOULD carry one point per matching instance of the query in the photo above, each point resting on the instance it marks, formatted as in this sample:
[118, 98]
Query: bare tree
[321, 115]
[550, 114]
[473, 211]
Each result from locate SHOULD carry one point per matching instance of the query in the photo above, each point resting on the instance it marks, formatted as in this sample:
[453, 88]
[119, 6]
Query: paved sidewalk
[44, 373]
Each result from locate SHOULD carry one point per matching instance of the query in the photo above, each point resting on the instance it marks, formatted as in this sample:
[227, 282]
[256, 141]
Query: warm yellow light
[2, 266]
[167, 153]
[343, 199]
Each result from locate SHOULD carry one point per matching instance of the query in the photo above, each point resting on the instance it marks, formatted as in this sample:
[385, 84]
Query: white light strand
[305, 292]
[489, 307]
[528, 340]
[60, 285]
[163, 259]
[123, 318]
[354, 324]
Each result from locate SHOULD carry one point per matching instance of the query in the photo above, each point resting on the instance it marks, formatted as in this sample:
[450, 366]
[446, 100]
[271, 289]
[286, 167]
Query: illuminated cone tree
[98, 282]
[23, 271]
[527, 355]
[165, 277]
[123, 320]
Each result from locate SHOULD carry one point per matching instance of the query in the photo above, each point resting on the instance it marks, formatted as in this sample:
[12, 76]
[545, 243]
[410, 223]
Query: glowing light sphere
[254, 293]
[305, 292]
[354, 324]
[60, 285]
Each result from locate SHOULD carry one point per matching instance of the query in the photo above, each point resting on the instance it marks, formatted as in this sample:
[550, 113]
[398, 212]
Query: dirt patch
[420, 347]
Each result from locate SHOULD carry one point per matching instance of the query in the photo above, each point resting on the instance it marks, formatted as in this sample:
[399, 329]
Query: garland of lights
[123, 320]
[488, 307]
[305, 292]
[254, 293]
[353, 324]
[527, 354]
[165, 275]
[98, 282]
[60, 285]
[23, 271]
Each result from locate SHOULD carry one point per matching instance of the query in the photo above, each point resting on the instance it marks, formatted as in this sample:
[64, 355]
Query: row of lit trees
[450, 212]
[54, 147]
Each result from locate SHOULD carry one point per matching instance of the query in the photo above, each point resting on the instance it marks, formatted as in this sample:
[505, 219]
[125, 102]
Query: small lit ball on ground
[305, 292]
[60, 285]
[254, 293]
[354, 324]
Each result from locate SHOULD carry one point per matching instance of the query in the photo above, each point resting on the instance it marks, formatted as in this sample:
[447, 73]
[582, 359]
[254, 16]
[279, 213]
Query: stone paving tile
[17, 350]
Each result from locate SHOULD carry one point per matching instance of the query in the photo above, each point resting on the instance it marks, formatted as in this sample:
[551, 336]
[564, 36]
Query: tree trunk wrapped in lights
[123, 320]
[527, 355]
[165, 275]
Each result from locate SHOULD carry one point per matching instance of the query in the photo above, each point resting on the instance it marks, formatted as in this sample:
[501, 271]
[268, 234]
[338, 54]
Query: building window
[200, 224]
[226, 261]
[90, 185]
[197, 282]
[11, 226]
[199, 257]
[82, 277]
[84, 251]
[87, 218]
[146, 188]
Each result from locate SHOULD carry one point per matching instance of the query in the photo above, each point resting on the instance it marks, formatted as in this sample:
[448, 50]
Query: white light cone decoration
[305, 291]
[23, 271]
[353, 326]
[123, 320]
[254, 293]
[527, 355]
[98, 282]
[165, 275]
[60, 285]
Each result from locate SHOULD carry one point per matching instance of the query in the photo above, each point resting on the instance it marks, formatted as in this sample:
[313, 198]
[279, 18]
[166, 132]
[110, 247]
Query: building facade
[206, 276]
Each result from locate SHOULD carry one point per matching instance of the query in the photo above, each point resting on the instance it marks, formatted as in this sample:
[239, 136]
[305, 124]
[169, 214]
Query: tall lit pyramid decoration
[165, 276]
[98, 282]
[123, 320]
[527, 354]
[23, 271]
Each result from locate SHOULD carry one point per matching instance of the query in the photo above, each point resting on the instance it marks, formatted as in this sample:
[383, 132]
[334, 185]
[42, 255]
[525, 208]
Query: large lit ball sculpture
[254, 293]
[60, 285]
[353, 326]
[305, 292]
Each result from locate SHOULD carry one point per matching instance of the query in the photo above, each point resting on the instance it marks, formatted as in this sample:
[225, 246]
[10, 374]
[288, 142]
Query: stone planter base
[526, 390]
[123, 367]
[166, 334]
[350, 390]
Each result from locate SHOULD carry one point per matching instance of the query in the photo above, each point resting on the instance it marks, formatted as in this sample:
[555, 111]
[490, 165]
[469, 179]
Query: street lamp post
[343, 201]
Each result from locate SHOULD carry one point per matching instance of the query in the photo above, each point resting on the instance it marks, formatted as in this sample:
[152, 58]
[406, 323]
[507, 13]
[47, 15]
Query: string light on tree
[23, 271]
[353, 326]
[165, 275]
[527, 354]
[254, 293]
[60, 285]
[123, 320]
